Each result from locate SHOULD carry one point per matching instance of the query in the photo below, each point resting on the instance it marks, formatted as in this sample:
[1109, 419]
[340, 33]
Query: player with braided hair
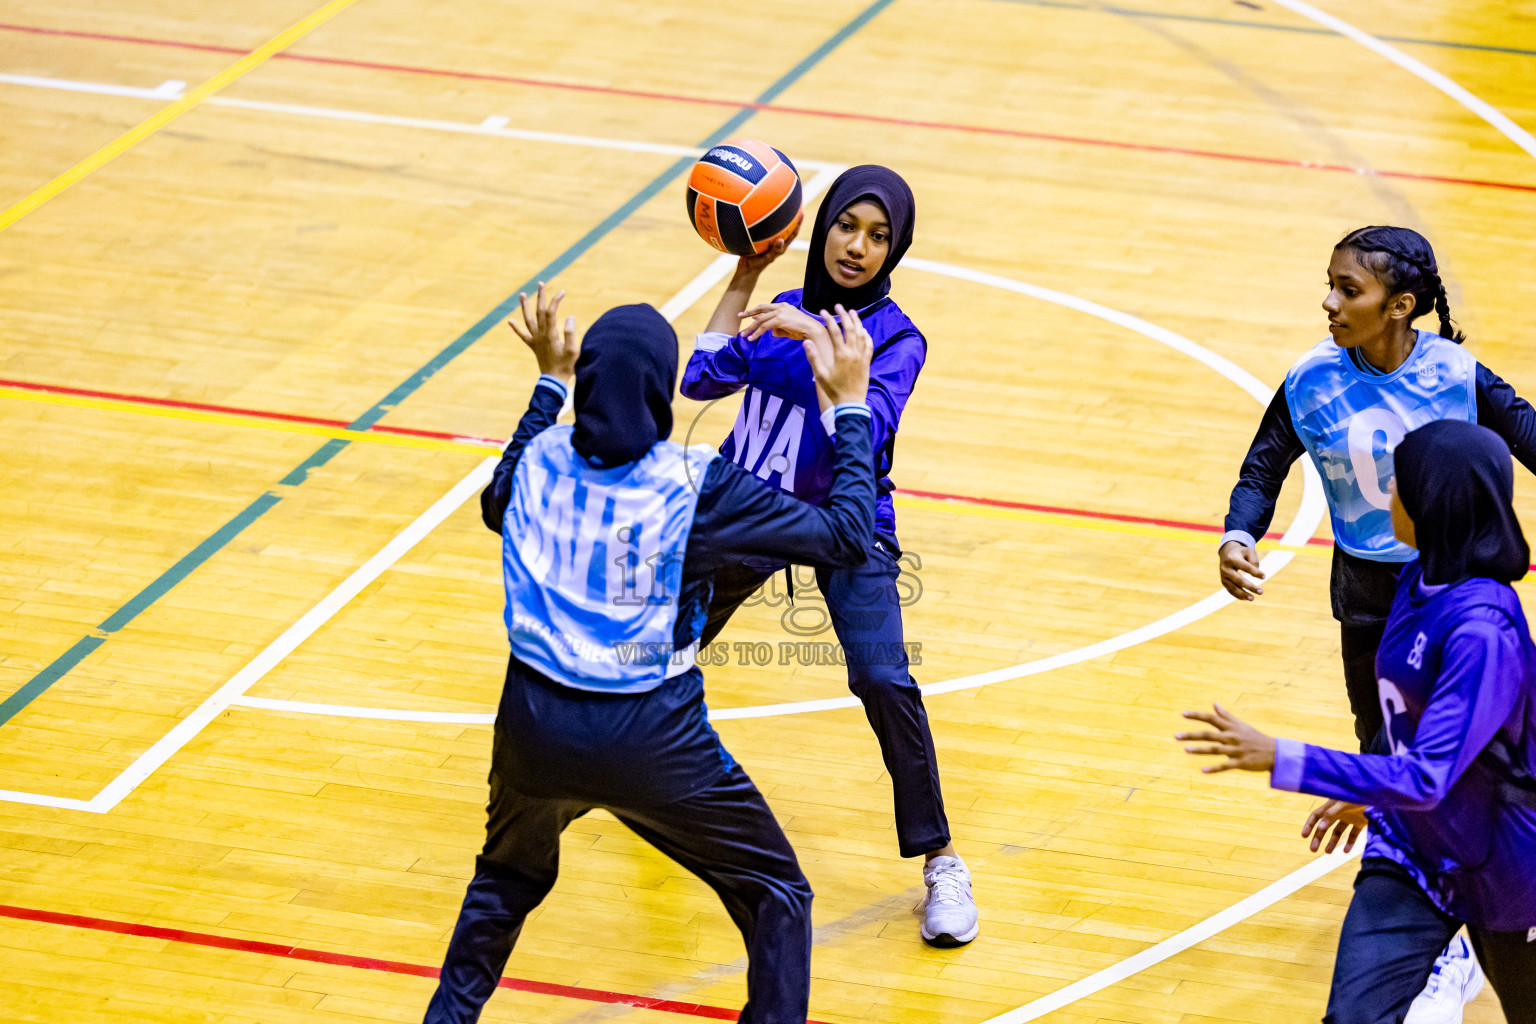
[1347, 403]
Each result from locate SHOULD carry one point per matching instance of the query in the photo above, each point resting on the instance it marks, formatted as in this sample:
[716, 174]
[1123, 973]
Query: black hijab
[856, 184]
[1456, 481]
[624, 380]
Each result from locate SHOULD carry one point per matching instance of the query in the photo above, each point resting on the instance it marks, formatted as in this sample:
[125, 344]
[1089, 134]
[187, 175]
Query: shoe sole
[944, 940]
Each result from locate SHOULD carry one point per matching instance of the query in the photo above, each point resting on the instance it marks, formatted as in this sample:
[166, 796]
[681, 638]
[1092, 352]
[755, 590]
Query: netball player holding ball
[863, 229]
[1348, 403]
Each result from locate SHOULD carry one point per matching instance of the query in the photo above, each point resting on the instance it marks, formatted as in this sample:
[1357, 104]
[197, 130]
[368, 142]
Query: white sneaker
[1455, 981]
[949, 915]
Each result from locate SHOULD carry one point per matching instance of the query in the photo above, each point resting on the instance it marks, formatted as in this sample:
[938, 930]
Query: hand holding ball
[743, 196]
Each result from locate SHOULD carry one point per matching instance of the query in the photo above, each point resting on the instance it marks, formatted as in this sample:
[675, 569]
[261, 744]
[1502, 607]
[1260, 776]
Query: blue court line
[1273, 26]
[217, 540]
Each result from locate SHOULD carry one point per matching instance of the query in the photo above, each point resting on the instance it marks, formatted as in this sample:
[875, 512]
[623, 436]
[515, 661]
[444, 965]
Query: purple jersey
[1457, 673]
[779, 434]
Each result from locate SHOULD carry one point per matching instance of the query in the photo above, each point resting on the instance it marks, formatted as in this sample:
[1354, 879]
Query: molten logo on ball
[742, 196]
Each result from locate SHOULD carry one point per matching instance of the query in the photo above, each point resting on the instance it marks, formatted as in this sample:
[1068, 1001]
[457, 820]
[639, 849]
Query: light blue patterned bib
[593, 562]
[1350, 421]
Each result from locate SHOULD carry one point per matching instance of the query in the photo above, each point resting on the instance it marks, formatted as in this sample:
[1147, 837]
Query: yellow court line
[166, 115]
[1062, 519]
[233, 420]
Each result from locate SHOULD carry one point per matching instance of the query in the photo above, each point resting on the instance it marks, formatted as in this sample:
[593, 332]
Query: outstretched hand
[554, 345]
[840, 359]
[1347, 821]
[1242, 745]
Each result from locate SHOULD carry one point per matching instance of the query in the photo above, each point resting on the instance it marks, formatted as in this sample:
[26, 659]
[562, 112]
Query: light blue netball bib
[593, 562]
[1350, 422]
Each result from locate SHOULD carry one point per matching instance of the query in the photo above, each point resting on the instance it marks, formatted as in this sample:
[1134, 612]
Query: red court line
[542, 83]
[1115, 517]
[964, 499]
[286, 417]
[366, 963]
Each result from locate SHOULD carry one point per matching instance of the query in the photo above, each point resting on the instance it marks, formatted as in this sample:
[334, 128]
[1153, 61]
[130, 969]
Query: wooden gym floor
[248, 364]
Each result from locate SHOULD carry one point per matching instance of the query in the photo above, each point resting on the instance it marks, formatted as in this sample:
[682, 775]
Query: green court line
[1273, 26]
[221, 537]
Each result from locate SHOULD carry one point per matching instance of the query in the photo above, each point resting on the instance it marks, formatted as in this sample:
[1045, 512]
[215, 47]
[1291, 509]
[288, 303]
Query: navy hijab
[625, 376]
[1456, 481]
[856, 184]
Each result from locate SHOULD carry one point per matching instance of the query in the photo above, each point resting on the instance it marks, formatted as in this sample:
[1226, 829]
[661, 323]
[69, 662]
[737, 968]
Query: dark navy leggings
[655, 764]
[865, 607]
[1391, 937]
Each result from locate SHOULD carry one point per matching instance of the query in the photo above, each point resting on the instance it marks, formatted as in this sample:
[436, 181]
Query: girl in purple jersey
[863, 229]
[1451, 800]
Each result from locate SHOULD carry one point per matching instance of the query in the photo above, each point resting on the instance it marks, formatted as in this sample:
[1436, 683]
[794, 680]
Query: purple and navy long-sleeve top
[1453, 802]
[779, 436]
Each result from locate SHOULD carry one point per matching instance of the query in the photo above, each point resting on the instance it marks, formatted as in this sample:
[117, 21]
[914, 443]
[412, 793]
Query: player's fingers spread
[518, 330]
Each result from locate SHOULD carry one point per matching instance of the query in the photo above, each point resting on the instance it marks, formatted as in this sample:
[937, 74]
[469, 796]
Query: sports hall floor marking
[216, 541]
[1277, 890]
[1065, 5]
[1509, 129]
[1272, 26]
[143, 408]
[366, 963]
[1307, 519]
[435, 440]
[232, 692]
[483, 128]
[165, 116]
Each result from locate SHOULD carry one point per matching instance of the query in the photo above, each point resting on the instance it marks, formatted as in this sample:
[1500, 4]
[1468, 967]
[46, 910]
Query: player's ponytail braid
[1402, 259]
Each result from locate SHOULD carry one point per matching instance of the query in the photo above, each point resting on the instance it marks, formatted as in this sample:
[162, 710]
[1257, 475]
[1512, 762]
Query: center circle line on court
[1306, 521]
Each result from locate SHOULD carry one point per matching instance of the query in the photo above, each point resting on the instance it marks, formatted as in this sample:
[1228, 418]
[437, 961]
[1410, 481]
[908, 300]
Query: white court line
[1189, 937]
[233, 693]
[1308, 515]
[1304, 525]
[167, 90]
[1216, 923]
[495, 125]
[1487, 111]
[350, 711]
[146, 763]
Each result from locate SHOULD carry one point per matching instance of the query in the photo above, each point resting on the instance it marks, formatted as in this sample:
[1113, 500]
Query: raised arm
[738, 515]
[1478, 688]
[1252, 505]
[1508, 415]
[721, 358]
[555, 348]
[543, 409]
